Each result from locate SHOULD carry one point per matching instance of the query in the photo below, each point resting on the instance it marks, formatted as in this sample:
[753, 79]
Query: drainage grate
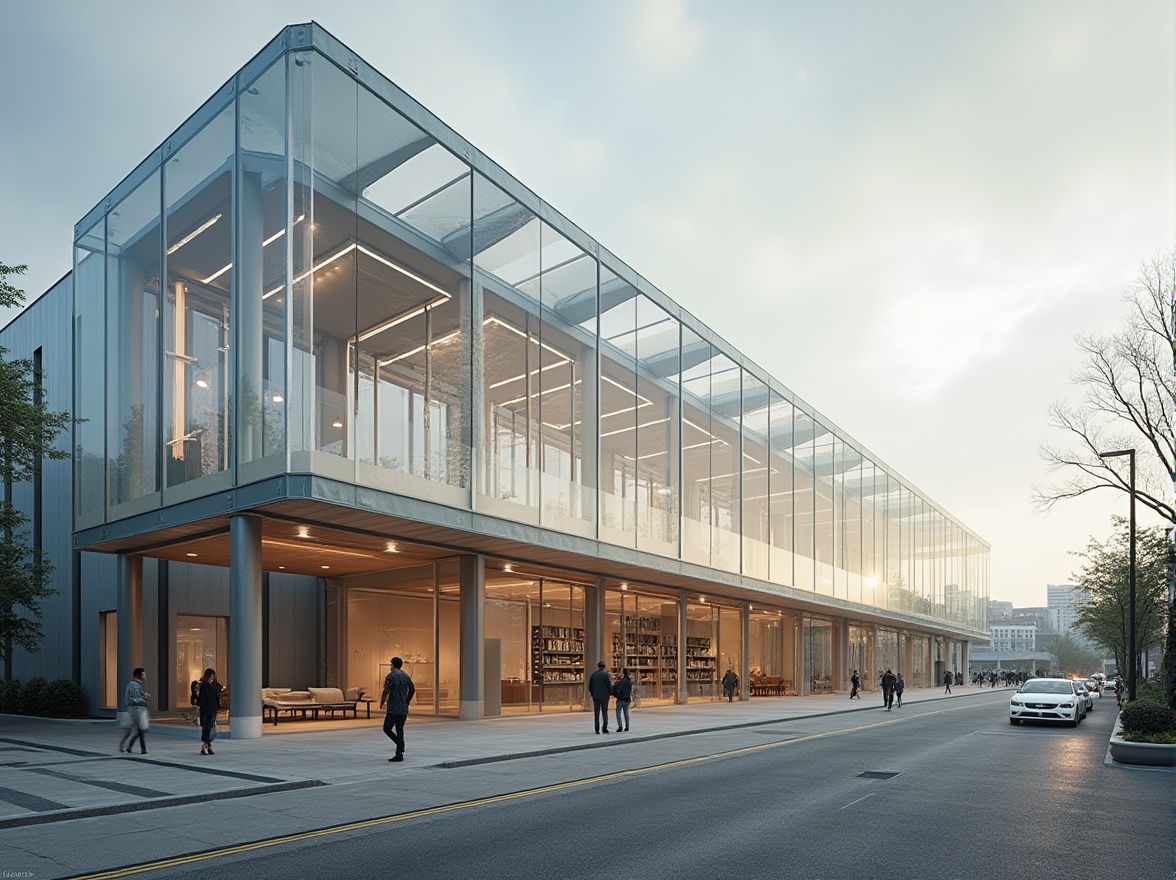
[877, 774]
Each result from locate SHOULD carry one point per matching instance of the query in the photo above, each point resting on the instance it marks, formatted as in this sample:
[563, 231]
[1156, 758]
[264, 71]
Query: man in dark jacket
[600, 686]
[623, 691]
[888, 682]
[397, 694]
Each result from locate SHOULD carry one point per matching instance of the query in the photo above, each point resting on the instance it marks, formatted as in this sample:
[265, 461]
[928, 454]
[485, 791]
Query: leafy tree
[1105, 620]
[27, 433]
[1070, 656]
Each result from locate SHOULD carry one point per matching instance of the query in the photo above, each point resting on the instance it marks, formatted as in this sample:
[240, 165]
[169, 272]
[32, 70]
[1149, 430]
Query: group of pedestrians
[135, 723]
[602, 688]
[892, 688]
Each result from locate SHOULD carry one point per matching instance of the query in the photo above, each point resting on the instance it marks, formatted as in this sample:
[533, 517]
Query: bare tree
[1129, 384]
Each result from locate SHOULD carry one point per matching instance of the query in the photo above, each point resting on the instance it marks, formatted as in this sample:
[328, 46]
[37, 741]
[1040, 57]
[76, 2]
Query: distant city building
[999, 610]
[1015, 639]
[1064, 602]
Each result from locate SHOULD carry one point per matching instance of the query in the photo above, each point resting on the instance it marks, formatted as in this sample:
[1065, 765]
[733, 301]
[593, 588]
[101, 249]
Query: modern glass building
[348, 389]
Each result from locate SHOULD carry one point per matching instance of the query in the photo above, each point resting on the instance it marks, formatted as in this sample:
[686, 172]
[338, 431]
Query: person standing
[730, 684]
[397, 694]
[947, 677]
[888, 682]
[208, 694]
[855, 682]
[622, 689]
[600, 686]
[137, 717]
[899, 685]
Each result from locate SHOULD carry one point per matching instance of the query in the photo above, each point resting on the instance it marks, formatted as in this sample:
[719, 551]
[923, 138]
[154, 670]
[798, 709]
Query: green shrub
[62, 698]
[1147, 718]
[10, 696]
[30, 694]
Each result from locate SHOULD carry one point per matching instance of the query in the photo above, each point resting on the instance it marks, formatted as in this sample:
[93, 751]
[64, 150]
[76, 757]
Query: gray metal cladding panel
[293, 634]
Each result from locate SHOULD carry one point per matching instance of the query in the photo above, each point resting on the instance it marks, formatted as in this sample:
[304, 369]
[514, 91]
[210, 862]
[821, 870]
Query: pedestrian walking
[397, 694]
[730, 684]
[947, 677]
[138, 720]
[887, 682]
[899, 684]
[600, 686]
[208, 695]
[622, 691]
[855, 683]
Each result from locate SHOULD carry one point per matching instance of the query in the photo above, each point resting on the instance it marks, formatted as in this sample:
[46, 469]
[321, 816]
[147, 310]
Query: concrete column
[130, 627]
[472, 632]
[683, 685]
[745, 658]
[594, 647]
[245, 626]
[841, 658]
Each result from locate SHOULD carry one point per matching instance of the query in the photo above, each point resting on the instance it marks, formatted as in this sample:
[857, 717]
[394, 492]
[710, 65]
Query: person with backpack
[622, 691]
[208, 702]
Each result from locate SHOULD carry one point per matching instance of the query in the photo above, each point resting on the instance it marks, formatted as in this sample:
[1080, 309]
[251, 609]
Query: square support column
[130, 626]
[472, 632]
[594, 647]
[245, 626]
[683, 685]
[745, 658]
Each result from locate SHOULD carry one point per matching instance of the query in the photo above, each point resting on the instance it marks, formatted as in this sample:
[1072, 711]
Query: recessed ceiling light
[303, 532]
[324, 566]
[281, 568]
[277, 398]
[508, 567]
[624, 586]
[189, 554]
[391, 548]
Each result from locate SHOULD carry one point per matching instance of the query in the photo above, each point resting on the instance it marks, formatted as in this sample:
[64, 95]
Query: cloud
[666, 36]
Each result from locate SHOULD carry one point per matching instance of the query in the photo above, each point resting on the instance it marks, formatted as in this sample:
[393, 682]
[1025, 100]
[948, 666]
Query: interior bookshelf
[557, 655]
[700, 659]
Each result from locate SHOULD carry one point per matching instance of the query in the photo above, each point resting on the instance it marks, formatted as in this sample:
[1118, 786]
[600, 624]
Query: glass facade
[316, 276]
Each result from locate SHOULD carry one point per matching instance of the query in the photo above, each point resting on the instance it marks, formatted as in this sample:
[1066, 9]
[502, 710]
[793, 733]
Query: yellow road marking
[180, 861]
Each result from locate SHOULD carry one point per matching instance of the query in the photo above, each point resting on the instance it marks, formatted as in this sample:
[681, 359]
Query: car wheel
[1074, 723]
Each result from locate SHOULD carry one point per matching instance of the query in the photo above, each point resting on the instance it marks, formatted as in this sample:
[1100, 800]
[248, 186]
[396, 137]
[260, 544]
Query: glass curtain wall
[133, 247]
[658, 458]
[198, 197]
[885, 653]
[303, 285]
[861, 654]
[818, 655]
[641, 630]
[701, 649]
[765, 644]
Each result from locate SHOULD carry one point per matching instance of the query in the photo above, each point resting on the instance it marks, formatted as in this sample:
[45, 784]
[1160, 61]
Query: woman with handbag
[208, 702]
[136, 701]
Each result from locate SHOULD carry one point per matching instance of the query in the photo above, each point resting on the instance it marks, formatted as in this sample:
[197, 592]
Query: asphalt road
[950, 791]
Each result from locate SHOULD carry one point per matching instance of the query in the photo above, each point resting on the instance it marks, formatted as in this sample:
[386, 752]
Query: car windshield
[1047, 687]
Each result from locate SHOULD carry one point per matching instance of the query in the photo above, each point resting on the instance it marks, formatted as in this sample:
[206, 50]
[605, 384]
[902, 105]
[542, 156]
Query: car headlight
[1069, 705]
[1014, 701]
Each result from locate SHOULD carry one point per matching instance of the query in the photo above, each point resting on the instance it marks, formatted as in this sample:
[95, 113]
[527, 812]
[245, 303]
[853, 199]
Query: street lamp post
[1132, 659]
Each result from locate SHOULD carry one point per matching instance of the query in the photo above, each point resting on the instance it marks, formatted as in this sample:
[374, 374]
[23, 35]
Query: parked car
[1048, 699]
[1084, 694]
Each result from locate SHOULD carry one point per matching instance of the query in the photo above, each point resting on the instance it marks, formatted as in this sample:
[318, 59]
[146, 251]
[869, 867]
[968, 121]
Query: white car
[1048, 699]
[1085, 695]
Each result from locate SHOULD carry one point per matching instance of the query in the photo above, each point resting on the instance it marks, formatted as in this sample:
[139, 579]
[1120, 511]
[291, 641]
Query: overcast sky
[904, 211]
